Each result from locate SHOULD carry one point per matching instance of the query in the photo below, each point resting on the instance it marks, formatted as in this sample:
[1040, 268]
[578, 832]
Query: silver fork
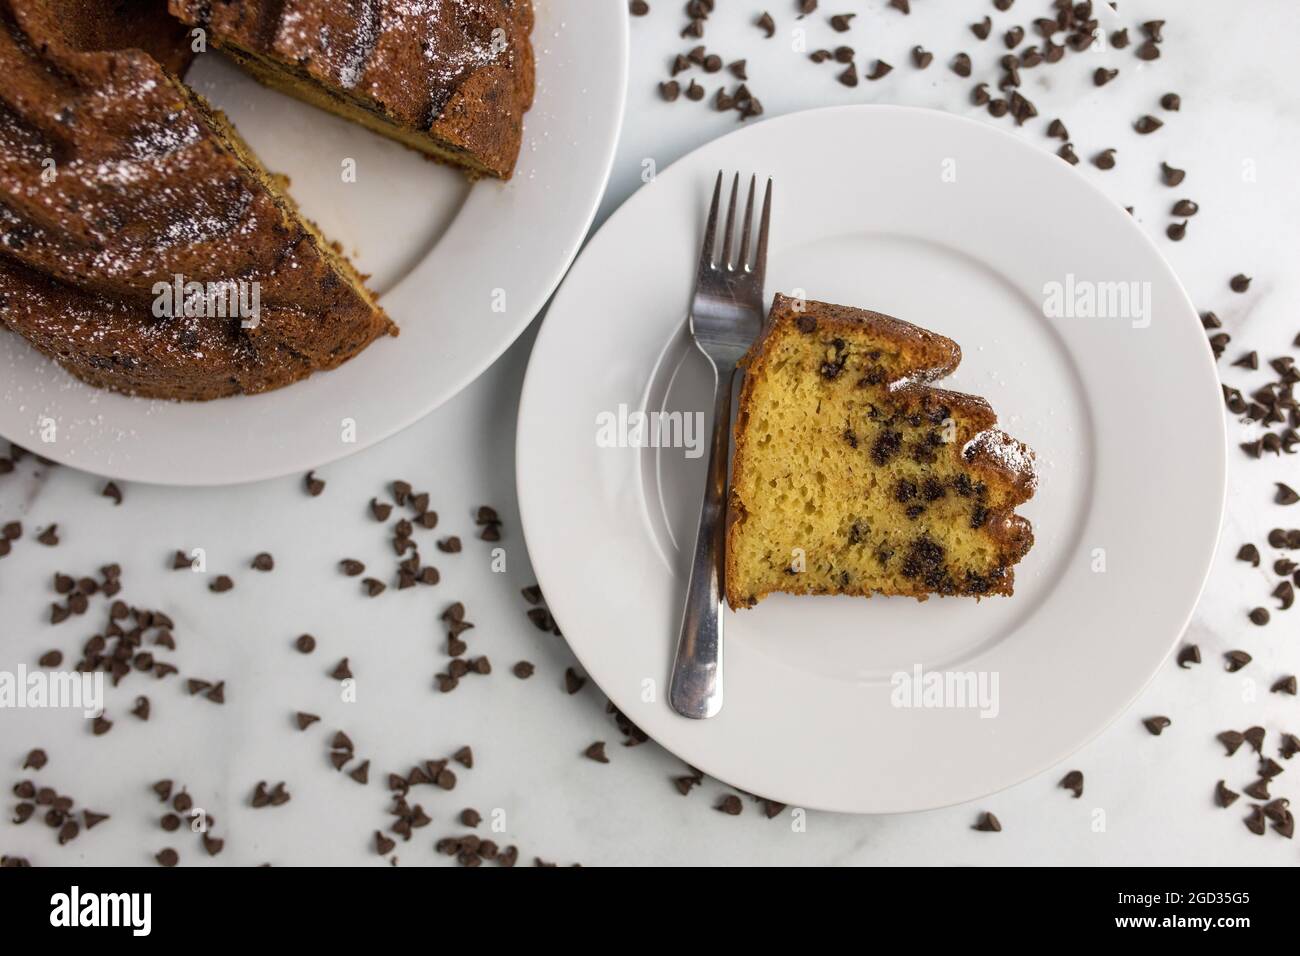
[726, 318]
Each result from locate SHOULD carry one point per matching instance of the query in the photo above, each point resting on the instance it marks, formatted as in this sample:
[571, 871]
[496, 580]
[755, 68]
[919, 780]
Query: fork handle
[696, 688]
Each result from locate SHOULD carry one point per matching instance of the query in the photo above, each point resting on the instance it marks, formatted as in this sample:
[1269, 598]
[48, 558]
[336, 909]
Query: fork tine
[711, 229]
[731, 224]
[746, 225]
[760, 259]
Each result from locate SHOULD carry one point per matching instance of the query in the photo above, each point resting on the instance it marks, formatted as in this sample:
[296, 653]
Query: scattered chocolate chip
[1148, 51]
[111, 490]
[1101, 76]
[374, 587]
[573, 682]
[1172, 176]
[100, 726]
[1176, 230]
[921, 58]
[1156, 725]
[1255, 737]
[841, 22]
[1284, 685]
[983, 28]
[880, 70]
[51, 659]
[1239, 283]
[1188, 654]
[342, 671]
[305, 644]
[50, 536]
[1185, 207]
[1171, 101]
[596, 752]
[1236, 660]
[167, 857]
[1223, 796]
[305, 720]
[220, 584]
[1257, 790]
[730, 805]
[263, 562]
[767, 25]
[961, 65]
[313, 484]
[523, 670]
[1105, 159]
[1073, 781]
[1286, 495]
[141, 708]
[1147, 124]
[1259, 616]
[361, 774]
[988, 823]
[849, 77]
[1067, 153]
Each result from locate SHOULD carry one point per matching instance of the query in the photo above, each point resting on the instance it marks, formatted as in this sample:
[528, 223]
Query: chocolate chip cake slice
[853, 475]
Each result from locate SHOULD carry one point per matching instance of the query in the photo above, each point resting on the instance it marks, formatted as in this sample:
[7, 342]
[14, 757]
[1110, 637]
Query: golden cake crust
[993, 471]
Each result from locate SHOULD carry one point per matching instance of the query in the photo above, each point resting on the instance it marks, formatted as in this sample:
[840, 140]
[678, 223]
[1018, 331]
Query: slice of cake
[852, 475]
[450, 78]
[119, 186]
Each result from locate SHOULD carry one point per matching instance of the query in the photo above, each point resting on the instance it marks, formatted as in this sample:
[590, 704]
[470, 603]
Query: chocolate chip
[572, 681]
[767, 25]
[1176, 230]
[1148, 51]
[670, 90]
[342, 671]
[305, 644]
[730, 805]
[841, 22]
[100, 726]
[1067, 153]
[263, 562]
[374, 587]
[220, 584]
[1236, 660]
[167, 857]
[305, 720]
[1285, 685]
[1073, 781]
[361, 774]
[523, 670]
[1259, 616]
[1239, 282]
[596, 752]
[921, 58]
[111, 490]
[983, 28]
[450, 545]
[1172, 176]
[1057, 129]
[1223, 796]
[1171, 101]
[1286, 495]
[1147, 124]
[1255, 737]
[849, 77]
[1156, 725]
[880, 70]
[961, 64]
[738, 70]
[1189, 654]
[988, 823]
[50, 536]
[1101, 76]
[1285, 592]
[1257, 790]
[1105, 159]
[51, 659]
[313, 484]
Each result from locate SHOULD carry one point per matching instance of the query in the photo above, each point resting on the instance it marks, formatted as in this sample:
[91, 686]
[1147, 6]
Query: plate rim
[581, 232]
[1059, 754]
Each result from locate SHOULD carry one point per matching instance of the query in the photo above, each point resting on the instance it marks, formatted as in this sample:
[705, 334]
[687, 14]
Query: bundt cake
[451, 78]
[117, 183]
[853, 475]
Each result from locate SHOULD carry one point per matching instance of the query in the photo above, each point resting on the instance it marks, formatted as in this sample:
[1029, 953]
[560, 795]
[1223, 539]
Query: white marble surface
[1237, 135]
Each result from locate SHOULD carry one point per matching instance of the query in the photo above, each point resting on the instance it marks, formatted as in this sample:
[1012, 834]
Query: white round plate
[461, 268]
[960, 228]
